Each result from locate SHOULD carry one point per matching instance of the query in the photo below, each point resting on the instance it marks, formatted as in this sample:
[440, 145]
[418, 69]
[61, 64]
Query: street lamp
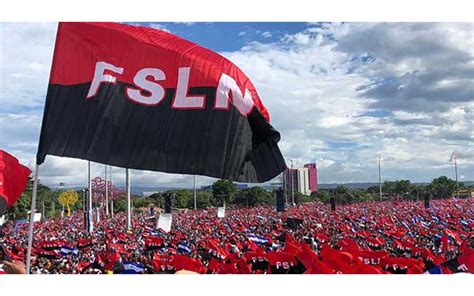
[194, 191]
[292, 183]
[379, 160]
[454, 158]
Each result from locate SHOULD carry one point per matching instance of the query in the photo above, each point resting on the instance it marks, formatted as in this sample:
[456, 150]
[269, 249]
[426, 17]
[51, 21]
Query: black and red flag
[141, 98]
[13, 180]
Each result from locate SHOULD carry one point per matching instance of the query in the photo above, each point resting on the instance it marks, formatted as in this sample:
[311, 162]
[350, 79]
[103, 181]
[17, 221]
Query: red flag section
[13, 180]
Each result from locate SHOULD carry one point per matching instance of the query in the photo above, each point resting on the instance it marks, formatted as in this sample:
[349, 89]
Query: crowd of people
[368, 238]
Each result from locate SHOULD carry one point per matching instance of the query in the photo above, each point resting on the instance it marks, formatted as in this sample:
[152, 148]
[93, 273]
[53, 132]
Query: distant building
[298, 178]
[303, 181]
[313, 176]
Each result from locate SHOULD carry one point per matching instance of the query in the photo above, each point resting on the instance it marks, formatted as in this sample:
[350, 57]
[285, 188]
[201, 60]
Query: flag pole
[106, 194]
[380, 180]
[292, 185]
[32, 215]
[456, 172]
[112, 199]
[129, 216]
[90, 229]
[194, 186]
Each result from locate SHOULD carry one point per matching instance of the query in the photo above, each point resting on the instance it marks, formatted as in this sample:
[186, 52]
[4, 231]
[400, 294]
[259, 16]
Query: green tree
[389, 187]
[341, 193]
[204, 200]
[224, 190]
[254, 196]
[143, 202]
[442, 187]
[323, 195]
[20, 209]
[360, 195]
[402, 187]
[157, 199]
[302, 198]
[373, 189]
[182, 198]
[120, 205]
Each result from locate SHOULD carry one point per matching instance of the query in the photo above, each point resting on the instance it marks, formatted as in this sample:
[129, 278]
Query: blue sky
[339, 93]
[228, 36]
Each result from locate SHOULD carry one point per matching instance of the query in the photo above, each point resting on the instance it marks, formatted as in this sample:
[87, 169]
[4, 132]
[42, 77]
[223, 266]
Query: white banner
[164, 222]
[37, 217]
[220, 212]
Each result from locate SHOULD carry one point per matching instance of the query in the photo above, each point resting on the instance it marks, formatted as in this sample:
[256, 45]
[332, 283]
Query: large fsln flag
[142, 98]
[13, 180]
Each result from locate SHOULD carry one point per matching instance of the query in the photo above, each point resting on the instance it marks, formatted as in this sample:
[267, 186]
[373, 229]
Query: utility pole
[194, 191]
[292, 184]
[129, 213]
[379, 158]
[106, 194]
[112, 196]
[456, 172]
[90, 219]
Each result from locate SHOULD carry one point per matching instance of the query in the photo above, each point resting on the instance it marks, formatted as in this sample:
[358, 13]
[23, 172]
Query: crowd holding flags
[363, 238]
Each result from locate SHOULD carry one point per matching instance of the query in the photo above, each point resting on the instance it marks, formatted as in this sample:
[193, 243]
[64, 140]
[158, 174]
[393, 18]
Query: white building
[303, 181]
[300, 177]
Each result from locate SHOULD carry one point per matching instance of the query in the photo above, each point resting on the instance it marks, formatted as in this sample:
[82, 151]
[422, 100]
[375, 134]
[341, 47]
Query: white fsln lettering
[181, 100]
[100, 77]
[227, 84]
[157, 91]
[148, 92]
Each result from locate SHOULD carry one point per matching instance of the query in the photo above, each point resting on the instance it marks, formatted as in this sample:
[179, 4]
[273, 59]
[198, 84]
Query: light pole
[455, 157]
[129, 213]
[292, 183]
[379, 158]
[194, 191]
[90, 219]
[106, 194]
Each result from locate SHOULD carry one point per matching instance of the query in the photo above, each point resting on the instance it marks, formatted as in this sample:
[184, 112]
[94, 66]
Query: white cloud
[159, 27]
[320, 85]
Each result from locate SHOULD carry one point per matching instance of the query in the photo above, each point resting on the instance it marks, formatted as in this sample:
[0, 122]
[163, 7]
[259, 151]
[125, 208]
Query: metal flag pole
[90, 229]
[456, 172]
[32, 215]
[292, 184]
[129, 214]
[106, 194]
[380, 179]
[194, 192]
[112, 192]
